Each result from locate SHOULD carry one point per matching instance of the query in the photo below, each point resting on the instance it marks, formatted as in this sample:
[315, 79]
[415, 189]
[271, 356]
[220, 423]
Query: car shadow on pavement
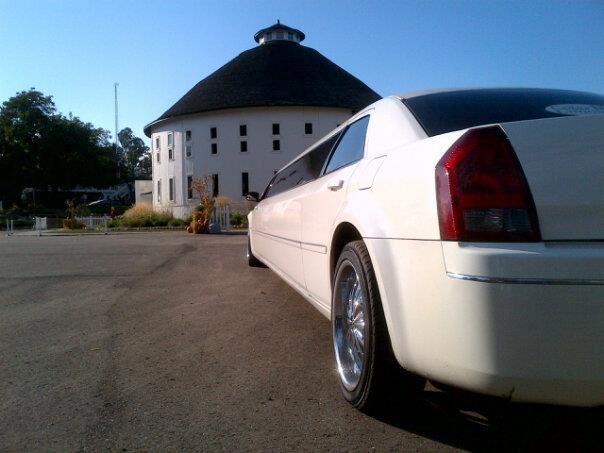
[477, 423]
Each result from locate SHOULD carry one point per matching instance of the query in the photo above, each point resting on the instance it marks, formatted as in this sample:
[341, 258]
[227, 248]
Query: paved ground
[166, 341]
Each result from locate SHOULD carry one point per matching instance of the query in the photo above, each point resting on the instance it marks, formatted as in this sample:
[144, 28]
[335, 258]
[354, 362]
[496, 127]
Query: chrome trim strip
[527, 281]
[318, 248]
[283, 240]
[314, 248]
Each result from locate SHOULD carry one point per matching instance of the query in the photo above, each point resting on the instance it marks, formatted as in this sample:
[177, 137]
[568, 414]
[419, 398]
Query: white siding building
[249, 118]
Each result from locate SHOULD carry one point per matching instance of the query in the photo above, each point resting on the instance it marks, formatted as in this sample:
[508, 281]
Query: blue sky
[157, 50]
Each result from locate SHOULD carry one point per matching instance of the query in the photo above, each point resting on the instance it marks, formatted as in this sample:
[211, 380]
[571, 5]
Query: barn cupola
[278, 32]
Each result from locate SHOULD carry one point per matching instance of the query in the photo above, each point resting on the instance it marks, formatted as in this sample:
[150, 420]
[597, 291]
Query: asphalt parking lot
[167, 341]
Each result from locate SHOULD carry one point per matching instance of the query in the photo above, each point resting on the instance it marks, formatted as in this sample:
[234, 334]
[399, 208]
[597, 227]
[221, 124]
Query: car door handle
[335, 184]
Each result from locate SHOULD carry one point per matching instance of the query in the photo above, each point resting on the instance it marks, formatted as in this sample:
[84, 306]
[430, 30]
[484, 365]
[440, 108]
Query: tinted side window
[284, 180]
[277, 185]
[267, 190]
[312, 162]
[303, 170]
[351, 146]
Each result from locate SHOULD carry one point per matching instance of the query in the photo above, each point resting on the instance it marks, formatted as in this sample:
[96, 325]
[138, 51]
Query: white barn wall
[259, 161]
[143, 191]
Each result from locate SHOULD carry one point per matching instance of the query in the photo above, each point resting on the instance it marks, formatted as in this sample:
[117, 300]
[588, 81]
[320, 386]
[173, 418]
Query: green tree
[42, 149]
[136, 156]
[25, 121]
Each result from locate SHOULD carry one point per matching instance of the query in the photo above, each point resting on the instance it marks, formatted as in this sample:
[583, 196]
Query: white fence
[10, 227]
[41, 223]
[222, 216]
[91, 222]
[95, 222]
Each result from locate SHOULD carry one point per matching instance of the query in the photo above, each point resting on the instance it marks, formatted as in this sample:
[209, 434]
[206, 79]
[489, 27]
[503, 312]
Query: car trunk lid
[563, 161]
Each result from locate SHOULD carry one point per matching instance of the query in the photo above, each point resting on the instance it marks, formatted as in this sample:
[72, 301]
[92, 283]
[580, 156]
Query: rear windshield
[439, 113]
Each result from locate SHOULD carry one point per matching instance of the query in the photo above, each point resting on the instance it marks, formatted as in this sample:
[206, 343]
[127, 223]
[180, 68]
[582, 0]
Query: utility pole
[115, 84]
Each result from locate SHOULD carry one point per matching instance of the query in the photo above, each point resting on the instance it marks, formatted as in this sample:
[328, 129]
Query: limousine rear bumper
[528, 331]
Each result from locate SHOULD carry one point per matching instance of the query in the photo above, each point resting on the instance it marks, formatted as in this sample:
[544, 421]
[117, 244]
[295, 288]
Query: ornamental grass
[143, 215]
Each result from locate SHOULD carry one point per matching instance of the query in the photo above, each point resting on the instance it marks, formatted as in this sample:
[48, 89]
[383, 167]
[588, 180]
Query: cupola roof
[280, 32]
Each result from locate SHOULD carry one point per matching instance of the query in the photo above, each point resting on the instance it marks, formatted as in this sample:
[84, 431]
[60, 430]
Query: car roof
[414, 94]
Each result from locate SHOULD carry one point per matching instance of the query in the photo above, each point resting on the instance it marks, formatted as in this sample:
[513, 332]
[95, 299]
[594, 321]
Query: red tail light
[482, 193]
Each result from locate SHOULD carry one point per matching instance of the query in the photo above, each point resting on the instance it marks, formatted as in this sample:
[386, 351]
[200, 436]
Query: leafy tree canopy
[136, 156]
[46, 150]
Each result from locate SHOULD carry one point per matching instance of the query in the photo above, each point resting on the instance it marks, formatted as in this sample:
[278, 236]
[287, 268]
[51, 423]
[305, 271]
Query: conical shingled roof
[277, 73]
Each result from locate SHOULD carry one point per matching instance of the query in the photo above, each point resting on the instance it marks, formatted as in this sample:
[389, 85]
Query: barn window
[214, 185]
[189, 187]
[171, 188]
[245, 183]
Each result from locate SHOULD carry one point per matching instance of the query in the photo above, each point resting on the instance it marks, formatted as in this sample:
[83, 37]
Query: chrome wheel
[349, 310]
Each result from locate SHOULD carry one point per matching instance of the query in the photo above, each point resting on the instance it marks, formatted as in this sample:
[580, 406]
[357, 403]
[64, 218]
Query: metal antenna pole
[115, 84]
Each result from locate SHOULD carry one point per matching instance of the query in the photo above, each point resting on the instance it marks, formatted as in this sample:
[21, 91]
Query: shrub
[18, 222]
[238, 220]
[176, 223]
[161, 219]
[73, 224]
[22, 223]
[143, 215]
[120, 209]
[38, 211]
[82, 210]
[15, 211]
[106, 209]
[48, 212]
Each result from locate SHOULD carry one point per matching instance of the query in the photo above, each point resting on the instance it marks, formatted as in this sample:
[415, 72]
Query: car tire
[369, 374]
[252, 261]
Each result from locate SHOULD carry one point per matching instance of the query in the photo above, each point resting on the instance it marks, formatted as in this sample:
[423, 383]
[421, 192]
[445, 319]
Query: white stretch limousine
[456, 236]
